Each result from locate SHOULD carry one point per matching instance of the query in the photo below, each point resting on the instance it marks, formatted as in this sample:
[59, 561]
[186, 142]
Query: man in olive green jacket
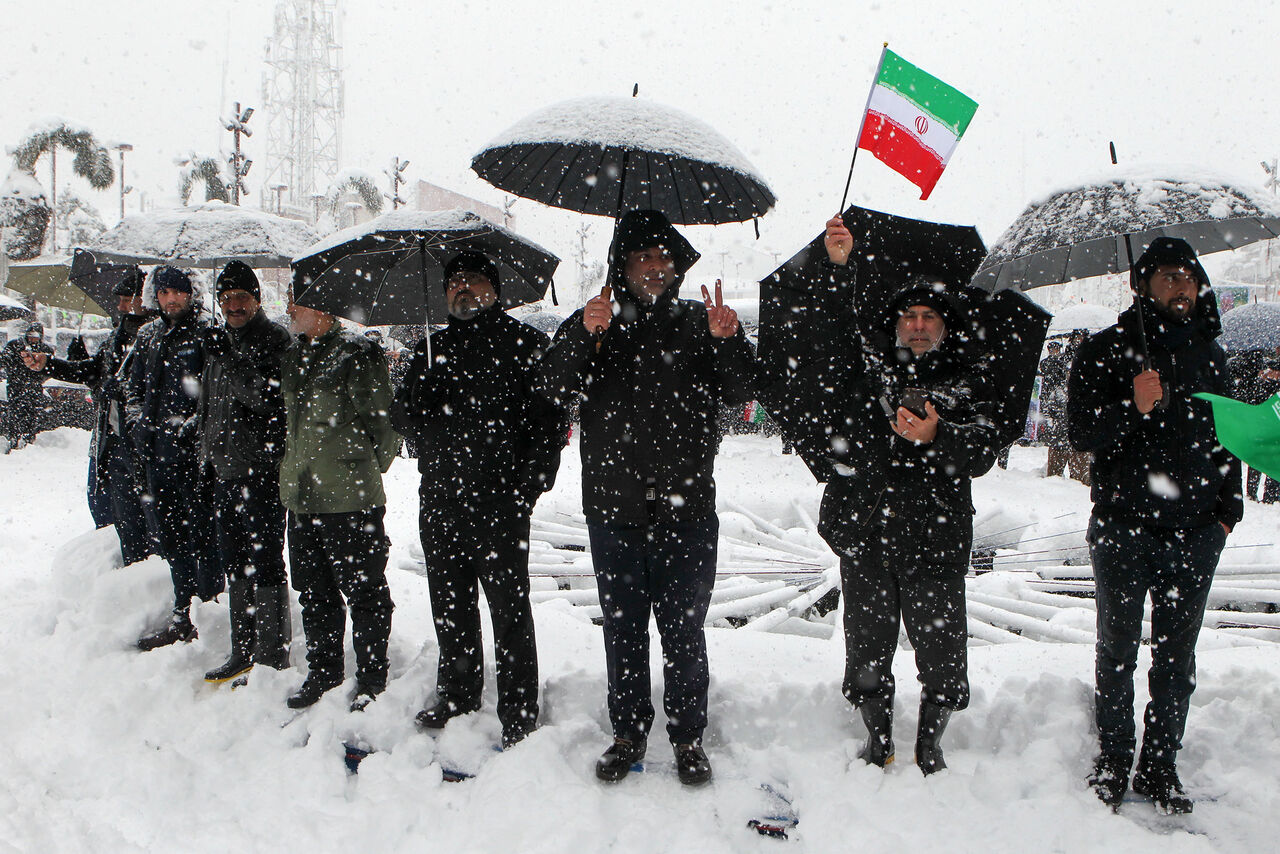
[339, 443]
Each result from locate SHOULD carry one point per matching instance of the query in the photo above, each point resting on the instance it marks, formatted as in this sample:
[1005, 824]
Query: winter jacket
[105, 373]
[163, 390]
[1165, 468]
[21, 381]
[339, 439]
[650, 392]
[242, 420]
[484, 436]
[914, 499]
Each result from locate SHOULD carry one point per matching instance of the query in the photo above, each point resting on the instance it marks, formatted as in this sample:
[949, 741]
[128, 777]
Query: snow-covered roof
[406, 220]
[627, 123]
[205, 235]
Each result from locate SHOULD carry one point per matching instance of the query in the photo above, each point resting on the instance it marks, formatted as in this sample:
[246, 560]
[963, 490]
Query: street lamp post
[238, 162]
[122, 147]
[279, 191]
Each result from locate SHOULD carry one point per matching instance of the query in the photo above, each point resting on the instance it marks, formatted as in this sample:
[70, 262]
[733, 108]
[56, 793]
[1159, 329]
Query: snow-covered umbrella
[11, 309]
[1082, 315]
[1252, 326]
[45, 279]
[607, 155]
[390, 270]
[207, 235]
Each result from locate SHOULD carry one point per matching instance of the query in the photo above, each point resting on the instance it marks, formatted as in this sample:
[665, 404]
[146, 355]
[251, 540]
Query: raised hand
[838, 240]
[721, 319]
[34, 361]
[597, 314]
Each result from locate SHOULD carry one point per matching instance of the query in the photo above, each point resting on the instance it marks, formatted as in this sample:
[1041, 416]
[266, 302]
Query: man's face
[921, 328]
[469, 293]
[173, 302]
[308, 321]
[238, 307]
[1174, 290]
[649, 272]
[129, 305]
[33, 338]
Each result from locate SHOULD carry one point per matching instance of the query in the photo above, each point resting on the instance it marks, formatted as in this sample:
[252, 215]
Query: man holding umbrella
[488, 447]
[1166, 495]
[25, 386]
[652, 371]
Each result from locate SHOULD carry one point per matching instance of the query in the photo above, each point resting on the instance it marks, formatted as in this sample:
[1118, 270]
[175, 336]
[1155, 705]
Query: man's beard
[465, 305]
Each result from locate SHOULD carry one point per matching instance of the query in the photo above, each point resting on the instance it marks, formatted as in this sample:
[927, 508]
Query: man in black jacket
[25, 387]
[652, 372]
[105, 374]
[242, 429]
[488, 447]
[912, 425]
[1165, 496]
[162, 393]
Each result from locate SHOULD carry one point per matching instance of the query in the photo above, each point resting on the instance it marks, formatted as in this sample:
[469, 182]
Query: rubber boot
[274, 627]
[877, 714]
[240, 596]
[933, 721]
[179, 629]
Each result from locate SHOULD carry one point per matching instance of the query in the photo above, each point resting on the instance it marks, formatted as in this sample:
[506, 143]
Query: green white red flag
[914, 121]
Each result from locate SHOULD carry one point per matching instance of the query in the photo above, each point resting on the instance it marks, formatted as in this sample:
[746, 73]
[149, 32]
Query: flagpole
[861, 125]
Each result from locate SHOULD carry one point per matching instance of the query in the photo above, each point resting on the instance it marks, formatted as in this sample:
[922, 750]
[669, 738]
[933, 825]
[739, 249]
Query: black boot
[933, 721]
[273, 626]
[179, 629]
[616, 762]
[435, 717]
[1159, 782]
[364, 695]
[877, 714]
[692, 765]
[313, 688]
[242, 621]
[1110, 778]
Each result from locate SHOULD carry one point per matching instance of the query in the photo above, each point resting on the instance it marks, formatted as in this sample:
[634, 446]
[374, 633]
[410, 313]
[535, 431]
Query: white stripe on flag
[937, 137]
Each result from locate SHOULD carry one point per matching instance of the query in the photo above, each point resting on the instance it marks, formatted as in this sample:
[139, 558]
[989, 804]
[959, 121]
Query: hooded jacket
[649, 393]
[22, 382]
[1166, 468]
[164, 378]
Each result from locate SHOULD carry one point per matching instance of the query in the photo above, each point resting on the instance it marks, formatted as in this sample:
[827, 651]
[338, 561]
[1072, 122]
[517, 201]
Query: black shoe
[179, 629]
[1110, 778]
[1159, 782]
[877, 714]
[933, 722]
[233, 667]
[435, 717]
[363, 696]
[313, 688]
[616, 762]
[692, 765]
[511, 736]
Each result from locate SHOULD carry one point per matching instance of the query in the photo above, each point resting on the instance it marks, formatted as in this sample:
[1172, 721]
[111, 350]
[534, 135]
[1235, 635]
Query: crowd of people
[222, 441]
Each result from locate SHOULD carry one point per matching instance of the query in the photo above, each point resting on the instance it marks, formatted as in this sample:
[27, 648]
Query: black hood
[642, 230]
[937, 297]
[1204, 317]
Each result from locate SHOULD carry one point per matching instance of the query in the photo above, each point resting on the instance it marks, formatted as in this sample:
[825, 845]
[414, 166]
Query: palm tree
[92, 161]
[207, 169]
[364, 186]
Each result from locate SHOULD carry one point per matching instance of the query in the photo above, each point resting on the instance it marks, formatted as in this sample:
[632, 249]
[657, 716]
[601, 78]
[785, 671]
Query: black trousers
[124, 491]
[249, 528]
[337, 555]
[488, 548]
[669, 571]
[182, 515]
[877, 595]
[22, 416]
[1174, 566]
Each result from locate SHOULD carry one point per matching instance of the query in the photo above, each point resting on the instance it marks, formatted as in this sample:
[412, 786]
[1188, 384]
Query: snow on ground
[112, 750]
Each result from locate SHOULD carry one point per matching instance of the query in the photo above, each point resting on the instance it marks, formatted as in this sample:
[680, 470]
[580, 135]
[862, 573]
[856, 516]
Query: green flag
[1250, 432]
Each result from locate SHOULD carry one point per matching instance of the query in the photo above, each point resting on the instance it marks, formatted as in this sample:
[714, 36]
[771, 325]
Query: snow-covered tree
[92, 160]
[78, 221]
[348, 186]
[24, 215]
[210, 171]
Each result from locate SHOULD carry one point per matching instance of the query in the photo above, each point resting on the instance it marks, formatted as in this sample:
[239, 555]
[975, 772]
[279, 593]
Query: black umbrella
[608, 155]
[99, 279]
[1252, 326]
[796, 325]
[391, 270]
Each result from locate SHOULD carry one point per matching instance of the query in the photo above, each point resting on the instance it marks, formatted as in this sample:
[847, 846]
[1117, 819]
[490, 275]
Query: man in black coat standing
[488, 447]
[1165, 496]
[25, 387]
[912, 425]
[652, 372]
[105, 374]
[242, 430]
[162, 393]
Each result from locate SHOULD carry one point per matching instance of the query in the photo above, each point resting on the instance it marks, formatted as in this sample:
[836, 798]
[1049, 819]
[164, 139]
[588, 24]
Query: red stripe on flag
[891, 143]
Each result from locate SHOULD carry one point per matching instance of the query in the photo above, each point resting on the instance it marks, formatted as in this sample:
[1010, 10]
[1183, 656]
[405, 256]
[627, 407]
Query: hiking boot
[1110, 778]
[511, 736]
[877, 714]
[692, 765]
[615, 763]
[364, 695]
[179, 629]
[435, 717]
[933, 722]
[1159, 782]
[313, 688]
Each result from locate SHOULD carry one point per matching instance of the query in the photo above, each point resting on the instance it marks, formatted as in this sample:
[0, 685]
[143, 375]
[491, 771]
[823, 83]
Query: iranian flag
[914, 121]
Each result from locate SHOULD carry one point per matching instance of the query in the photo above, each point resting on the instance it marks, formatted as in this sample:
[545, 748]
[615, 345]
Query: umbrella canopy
[46, 279]
[390, 270]
[1252, 326]
[606, 155]
[206, 235]
[1080, 315]
[11, 309]
[1080, 232]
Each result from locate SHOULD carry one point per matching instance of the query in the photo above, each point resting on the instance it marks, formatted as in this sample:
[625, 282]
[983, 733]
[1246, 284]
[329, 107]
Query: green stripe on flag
[1251, 432]
[943, 103]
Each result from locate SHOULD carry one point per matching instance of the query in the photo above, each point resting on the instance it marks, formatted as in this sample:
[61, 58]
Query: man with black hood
[1165, 496]
[488, 447]
[912, 425]
[105, 373]
[25, 386]
[652, 370]
[162, 393]
[242, 432]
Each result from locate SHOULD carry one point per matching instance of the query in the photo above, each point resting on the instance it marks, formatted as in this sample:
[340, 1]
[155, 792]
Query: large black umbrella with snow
[608, 155]
[390, 270]
[1252, 326]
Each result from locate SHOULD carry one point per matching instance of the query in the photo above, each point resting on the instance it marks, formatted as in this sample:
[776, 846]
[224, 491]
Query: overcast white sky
[1178, 82]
